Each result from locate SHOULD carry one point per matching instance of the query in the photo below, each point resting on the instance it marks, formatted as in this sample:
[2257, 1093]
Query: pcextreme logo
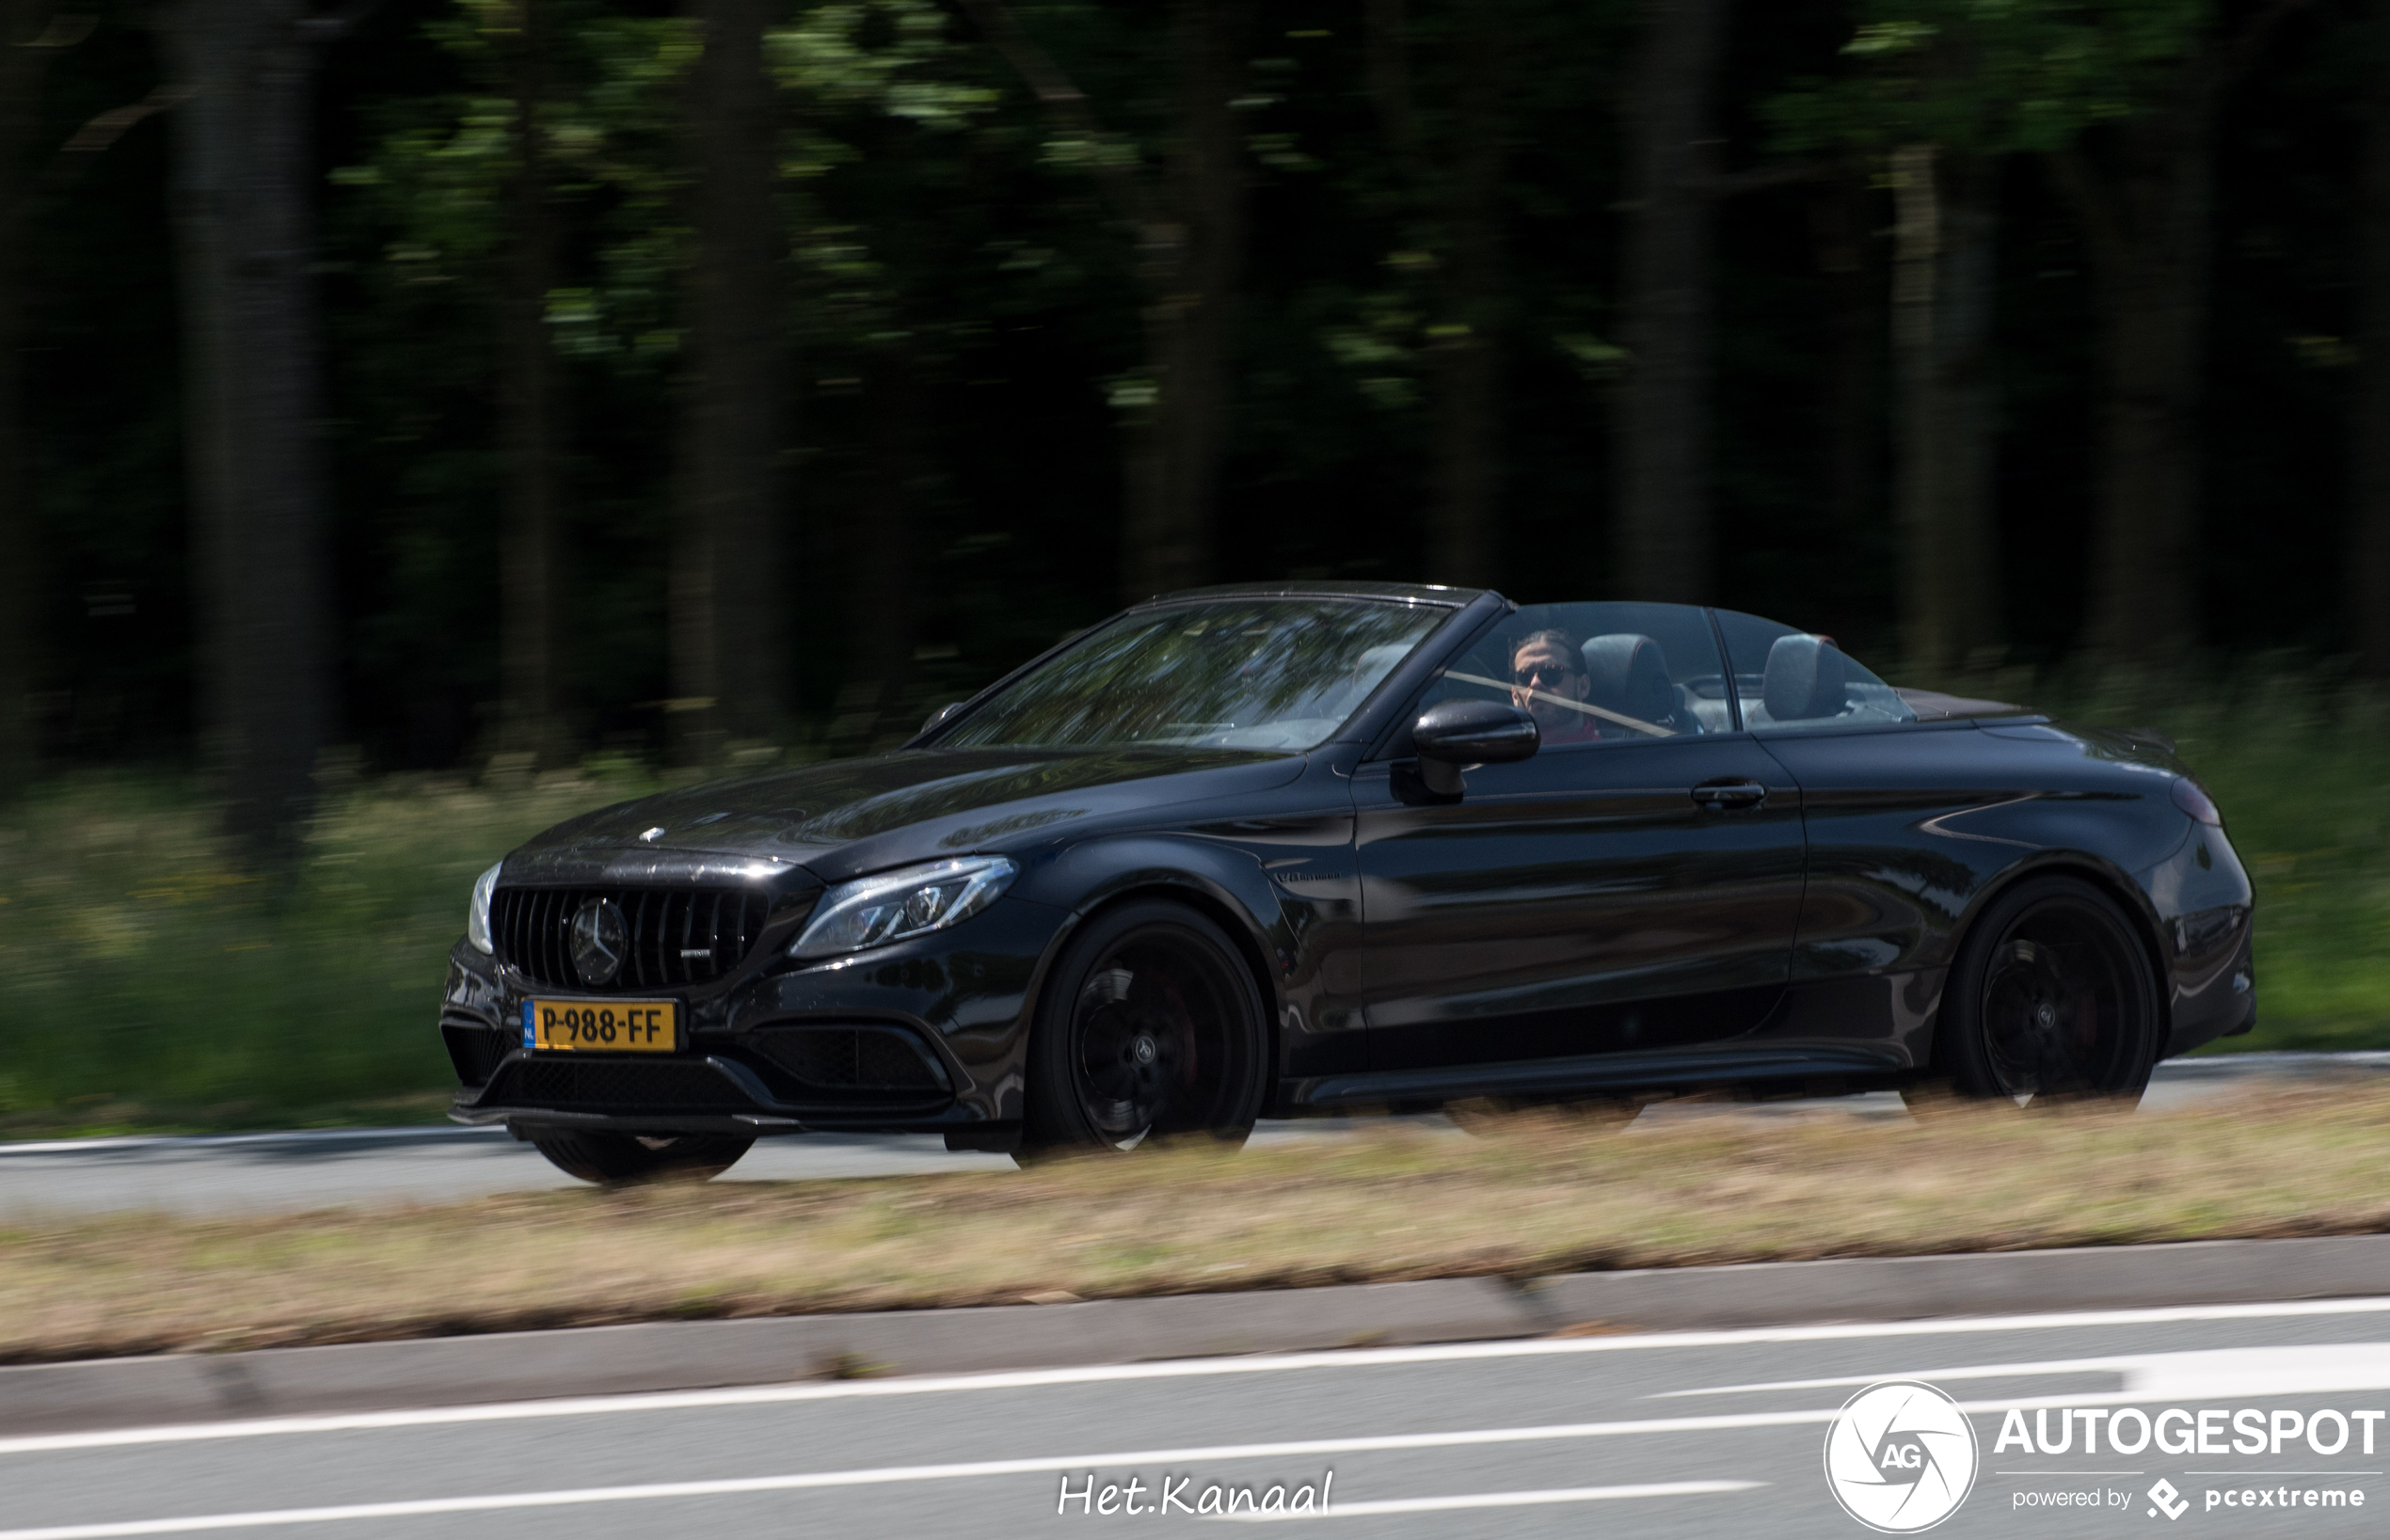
[1899, 1456]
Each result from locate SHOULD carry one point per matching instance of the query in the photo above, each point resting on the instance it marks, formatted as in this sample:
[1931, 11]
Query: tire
[614, 1159]
[1150, 1026]
[2053, 997]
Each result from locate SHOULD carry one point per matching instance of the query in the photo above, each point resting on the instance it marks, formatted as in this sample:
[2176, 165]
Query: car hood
[854, 816]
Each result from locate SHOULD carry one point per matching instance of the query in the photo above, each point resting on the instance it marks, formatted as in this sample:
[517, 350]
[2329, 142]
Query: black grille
[614, 1085]
[475, 1049]
[869, 1058]
[678, 936]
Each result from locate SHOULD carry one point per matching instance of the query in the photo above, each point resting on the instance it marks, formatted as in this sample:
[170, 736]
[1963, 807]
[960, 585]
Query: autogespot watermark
[1185, 1494]
[2268, 1433]
[1901, 1456]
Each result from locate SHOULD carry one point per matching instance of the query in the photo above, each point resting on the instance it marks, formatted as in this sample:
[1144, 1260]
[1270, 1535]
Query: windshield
[1233, 673]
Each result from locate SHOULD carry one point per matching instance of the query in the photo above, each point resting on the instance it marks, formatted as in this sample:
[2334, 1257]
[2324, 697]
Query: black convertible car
[1262, 851]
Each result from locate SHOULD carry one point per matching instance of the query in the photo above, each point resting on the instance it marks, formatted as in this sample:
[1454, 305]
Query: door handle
[1726, 796]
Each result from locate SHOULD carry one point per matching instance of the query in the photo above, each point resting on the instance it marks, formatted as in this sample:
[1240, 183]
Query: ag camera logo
[1899, 1456]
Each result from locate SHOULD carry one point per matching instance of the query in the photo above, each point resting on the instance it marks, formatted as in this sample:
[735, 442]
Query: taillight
[2192, 800]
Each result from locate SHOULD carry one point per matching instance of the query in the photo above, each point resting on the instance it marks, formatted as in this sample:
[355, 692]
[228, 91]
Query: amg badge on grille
[600, 940]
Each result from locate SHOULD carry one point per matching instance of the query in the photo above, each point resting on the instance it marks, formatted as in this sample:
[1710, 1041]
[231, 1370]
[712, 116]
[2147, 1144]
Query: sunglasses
[1542, 672]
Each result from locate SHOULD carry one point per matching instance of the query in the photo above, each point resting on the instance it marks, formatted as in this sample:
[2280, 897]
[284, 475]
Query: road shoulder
[702, 1354]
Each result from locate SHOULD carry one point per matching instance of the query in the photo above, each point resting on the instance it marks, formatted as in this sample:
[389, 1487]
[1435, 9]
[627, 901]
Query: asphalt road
[253, 1172]
[1699, 1433]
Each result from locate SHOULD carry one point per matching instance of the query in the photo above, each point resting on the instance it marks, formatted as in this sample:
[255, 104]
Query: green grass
[147, 983]
[1533, 1196]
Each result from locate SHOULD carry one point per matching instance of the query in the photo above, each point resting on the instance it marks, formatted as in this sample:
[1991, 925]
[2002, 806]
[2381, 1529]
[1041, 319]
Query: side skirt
[1600, 1072]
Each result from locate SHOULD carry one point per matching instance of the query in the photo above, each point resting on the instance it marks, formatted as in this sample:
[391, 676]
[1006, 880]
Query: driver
[1545, 664]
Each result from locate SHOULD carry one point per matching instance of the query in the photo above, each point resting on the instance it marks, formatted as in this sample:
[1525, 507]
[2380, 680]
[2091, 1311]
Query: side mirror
[1458, 732]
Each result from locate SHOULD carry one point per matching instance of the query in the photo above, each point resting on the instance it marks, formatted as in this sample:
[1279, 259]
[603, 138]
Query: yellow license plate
[604, 1026]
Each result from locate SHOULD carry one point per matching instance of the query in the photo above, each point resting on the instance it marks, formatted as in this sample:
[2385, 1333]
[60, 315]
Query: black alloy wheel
[615, 1159]
[2053, 997]
[1149, 1026]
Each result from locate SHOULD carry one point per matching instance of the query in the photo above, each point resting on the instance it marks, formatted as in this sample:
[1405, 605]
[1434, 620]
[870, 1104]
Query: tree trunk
[1467, 353]
[1660, 523]
[532, 420]
[891, 402]
[1190, 244]
[1942, 294]
[1387, 46]
[21, 70]
[729, 638]
[243, 169]
[1853, 437]
[2368, 577]
[1191, 263]
[2146, 222]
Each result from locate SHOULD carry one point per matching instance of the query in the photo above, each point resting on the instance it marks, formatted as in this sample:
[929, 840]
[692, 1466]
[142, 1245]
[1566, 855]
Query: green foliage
[146, 981]
[942, 229]
[1989, 77]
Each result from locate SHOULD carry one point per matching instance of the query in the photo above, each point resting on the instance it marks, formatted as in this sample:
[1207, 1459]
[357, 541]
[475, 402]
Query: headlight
[910, 901]
[477, 916]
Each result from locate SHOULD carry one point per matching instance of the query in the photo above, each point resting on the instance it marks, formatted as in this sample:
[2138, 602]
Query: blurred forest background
[529, 388]
[446, 379]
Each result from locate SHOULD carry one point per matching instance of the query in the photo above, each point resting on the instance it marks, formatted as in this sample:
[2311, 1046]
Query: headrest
[1629, 677]
[1803, 679]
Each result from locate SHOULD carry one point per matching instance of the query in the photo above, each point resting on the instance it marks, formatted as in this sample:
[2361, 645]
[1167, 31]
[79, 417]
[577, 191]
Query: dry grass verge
[1396, 1202]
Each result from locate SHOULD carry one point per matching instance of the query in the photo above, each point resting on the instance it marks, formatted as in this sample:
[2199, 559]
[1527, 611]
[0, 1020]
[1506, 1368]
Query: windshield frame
[1360, 725]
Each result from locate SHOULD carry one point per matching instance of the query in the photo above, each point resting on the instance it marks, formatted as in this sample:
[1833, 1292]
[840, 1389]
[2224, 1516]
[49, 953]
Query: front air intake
[620, 1086]
[853, 1058]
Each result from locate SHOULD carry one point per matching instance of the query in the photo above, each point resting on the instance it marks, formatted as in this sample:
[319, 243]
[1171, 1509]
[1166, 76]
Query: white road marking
[1171, 1369]
[2194, 1374]
[1499, 1500]
[884, 1476]
[422, 1134]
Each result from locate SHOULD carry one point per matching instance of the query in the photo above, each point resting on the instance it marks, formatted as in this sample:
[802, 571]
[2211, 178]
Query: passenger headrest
[1629, 677]
[1803, 679]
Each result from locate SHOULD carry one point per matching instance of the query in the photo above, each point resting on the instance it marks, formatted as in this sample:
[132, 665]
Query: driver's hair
[1567, 643]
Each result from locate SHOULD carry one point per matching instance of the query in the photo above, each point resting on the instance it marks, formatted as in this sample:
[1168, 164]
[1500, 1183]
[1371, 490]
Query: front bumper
[924, 1036]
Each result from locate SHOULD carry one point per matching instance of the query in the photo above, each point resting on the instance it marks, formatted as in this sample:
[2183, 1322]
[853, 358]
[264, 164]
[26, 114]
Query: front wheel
[2052, 996]
[614, 1159]
[1150, 1026]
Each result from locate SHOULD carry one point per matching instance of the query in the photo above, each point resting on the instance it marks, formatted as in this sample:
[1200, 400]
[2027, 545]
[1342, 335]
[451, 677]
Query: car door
[1635, 891]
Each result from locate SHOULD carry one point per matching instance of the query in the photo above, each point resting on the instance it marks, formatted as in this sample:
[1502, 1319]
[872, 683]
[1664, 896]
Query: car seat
[1629, 675]
[1803, 679]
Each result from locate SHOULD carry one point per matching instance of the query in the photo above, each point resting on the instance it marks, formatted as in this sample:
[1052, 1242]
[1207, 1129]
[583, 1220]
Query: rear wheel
[2052, 997]
[614, 1159]
[1150, 1026]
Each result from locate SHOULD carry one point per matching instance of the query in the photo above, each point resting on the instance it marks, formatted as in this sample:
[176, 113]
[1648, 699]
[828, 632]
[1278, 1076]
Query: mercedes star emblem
[601, 939]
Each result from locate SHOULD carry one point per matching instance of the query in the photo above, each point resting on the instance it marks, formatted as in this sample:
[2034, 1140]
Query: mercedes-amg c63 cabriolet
[1282, 849]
